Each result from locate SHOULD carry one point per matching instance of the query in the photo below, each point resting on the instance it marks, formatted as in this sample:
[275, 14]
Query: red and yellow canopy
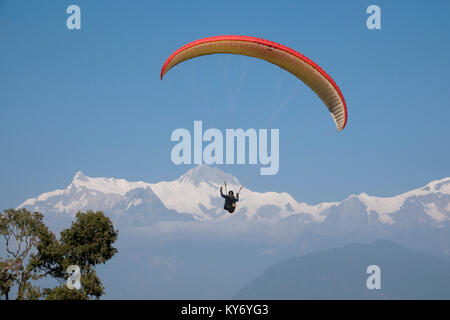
[284, 57]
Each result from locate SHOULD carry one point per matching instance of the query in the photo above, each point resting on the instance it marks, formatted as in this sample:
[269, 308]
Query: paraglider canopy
[289, 59]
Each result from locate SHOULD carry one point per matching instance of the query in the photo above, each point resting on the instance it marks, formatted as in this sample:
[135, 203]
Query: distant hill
[341, 274]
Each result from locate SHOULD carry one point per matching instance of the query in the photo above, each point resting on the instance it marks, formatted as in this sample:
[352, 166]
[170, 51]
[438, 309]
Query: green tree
[64, 293]
[21, 233]
[7, 277]
[32, 252]
[88, 242]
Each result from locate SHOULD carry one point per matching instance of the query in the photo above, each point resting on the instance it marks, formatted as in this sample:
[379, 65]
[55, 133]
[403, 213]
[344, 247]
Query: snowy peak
[385, 206]
[196, 192]
[391, 204]
[105, 185]
[205, 173]
[440, 186]
[83, 193]
[79, 176]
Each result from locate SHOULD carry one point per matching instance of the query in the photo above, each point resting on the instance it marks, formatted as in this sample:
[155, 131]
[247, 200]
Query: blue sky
[92, 99]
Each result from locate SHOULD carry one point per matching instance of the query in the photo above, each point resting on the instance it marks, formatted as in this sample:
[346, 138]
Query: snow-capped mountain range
[195, 196]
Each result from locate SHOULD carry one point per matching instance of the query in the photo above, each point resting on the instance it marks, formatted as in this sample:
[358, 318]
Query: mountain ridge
[196, 193]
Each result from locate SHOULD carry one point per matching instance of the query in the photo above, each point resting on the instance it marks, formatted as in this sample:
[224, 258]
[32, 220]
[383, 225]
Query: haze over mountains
[175, 238]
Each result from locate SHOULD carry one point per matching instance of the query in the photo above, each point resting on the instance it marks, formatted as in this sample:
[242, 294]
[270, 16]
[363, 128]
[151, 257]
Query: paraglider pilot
[230, 199]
